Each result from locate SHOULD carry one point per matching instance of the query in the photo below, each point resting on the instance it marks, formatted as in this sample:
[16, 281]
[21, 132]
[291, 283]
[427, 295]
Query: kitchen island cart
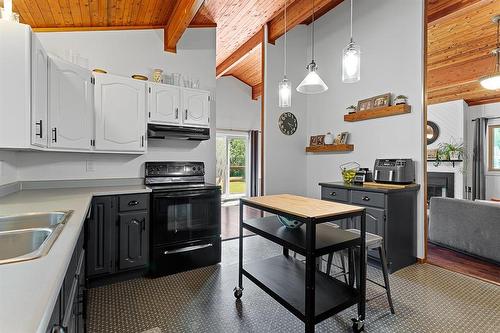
[303, 289]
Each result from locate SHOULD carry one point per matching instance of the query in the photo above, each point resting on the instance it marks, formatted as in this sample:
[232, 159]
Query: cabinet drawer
[368, 198]
[337, 194]
[133, 202]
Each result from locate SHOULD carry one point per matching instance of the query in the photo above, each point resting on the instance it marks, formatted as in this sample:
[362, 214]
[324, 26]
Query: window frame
[491, 130]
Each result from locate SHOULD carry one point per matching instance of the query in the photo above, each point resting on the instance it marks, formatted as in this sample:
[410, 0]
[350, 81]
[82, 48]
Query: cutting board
[379, 185]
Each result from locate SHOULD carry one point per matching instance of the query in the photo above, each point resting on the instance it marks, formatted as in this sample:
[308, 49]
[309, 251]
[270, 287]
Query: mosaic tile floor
[426, 298]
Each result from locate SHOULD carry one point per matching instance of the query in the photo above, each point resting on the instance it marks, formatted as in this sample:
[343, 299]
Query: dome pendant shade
[491, 82]
[312, 83]
[351, 63]
[285, 93]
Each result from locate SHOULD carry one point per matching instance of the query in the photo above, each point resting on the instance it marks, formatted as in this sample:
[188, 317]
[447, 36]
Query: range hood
[156, 131]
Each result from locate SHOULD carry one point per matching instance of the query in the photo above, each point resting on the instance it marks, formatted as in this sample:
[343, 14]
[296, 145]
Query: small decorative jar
[158, 75]
[401, 99]
[351, 109]
[329, 139]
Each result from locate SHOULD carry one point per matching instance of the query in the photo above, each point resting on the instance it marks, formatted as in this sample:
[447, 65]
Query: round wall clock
[287, 123]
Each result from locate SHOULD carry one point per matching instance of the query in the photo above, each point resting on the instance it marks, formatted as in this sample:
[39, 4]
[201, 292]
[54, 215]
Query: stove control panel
[174, 169]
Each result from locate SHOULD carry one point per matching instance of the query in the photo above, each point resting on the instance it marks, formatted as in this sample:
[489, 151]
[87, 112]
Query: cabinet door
[70, 105]
[100, 235]
[196, 107]
[133, 240]
[120, 106]
[39, 93]
[164, 104]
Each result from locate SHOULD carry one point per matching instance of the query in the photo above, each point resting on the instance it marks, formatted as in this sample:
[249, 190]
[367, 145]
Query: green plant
[445, 149]
[351, 107]
[401, 97]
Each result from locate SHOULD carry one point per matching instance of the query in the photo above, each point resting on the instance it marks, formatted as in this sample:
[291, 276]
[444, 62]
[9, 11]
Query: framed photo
[381, 101]
[432, 154]
[313, 141]
[321, 140]
[343, 137]
[338, 139]
[365, 104]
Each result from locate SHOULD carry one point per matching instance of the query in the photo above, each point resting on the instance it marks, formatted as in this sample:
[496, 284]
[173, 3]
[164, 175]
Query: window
[494, 148]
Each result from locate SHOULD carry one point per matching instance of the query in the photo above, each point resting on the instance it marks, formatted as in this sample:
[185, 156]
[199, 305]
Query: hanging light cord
[313, 31]
[285, 41]
[351, 21]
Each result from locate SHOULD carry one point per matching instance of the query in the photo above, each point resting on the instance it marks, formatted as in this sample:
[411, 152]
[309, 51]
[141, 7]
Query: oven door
[180, 216]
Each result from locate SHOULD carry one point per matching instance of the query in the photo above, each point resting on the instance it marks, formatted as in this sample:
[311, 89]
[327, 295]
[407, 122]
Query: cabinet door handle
[142, 141]
[54, 134]
[333, 194]
[366, 198]
[39, 123]
[176, 113]
[186, 115]
[133, 203]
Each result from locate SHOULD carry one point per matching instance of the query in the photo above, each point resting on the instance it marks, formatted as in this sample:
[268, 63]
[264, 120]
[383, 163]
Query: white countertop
[29, 289]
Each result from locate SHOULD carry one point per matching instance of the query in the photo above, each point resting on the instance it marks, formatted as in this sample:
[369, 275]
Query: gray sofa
[472, 227]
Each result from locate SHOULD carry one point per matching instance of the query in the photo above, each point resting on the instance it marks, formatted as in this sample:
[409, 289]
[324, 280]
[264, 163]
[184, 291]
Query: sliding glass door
[233, 164]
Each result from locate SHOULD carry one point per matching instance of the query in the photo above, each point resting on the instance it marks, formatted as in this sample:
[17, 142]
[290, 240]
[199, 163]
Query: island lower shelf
[284, 278]
[328, 238]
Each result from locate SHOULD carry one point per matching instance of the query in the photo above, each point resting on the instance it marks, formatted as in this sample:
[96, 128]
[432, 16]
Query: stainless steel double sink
[29, 236]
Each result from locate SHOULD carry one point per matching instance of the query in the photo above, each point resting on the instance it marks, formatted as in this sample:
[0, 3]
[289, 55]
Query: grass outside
[236, 187]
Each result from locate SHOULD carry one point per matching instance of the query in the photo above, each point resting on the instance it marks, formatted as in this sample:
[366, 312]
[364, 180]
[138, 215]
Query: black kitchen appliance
[156, 131]
[185, 217]
[363, 175]
[398, 171]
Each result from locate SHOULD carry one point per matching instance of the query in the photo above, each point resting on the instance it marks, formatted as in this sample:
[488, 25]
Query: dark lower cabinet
[133, 240]
[69, 313]
[117, 237]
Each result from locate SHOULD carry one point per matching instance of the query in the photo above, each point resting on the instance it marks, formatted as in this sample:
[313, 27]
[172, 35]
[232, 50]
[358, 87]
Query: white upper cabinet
[120, 107]
[196, 107]
[39, 93]
[164, 104]
[70, 106]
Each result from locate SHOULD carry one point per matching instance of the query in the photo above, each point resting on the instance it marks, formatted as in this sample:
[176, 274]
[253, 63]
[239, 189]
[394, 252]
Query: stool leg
[381, 251]
[342, 263]
[329, 263]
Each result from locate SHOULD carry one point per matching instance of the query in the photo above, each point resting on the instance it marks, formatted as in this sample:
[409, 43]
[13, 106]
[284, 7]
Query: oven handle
[188, 248]
[183, 195]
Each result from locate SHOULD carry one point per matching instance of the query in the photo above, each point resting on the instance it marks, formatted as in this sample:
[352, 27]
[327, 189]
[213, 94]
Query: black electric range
[185, 217]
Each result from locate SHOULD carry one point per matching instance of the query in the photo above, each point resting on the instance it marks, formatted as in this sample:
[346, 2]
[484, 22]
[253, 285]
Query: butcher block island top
[302, 206]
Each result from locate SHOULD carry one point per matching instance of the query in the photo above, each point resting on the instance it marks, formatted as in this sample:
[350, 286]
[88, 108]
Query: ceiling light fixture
[492, 82]
[312, 83]
[285, 86]
[6, 12]
[351, 60]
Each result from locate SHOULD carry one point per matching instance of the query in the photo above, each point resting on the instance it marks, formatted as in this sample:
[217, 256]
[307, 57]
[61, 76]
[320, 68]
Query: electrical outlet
[90, 166]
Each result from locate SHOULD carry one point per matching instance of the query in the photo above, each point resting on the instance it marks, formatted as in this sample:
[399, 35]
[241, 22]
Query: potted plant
[450, 151]
[351, 109]
[401, 99]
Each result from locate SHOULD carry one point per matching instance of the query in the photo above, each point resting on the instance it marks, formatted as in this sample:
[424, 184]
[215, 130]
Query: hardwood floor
[462, 263]
[230, 219]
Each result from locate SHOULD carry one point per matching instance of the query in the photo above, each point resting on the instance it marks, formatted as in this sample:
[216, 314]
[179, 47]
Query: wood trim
[388, 111]
[240, 54]
[263, 34]
[256, 91]
[490, 147]
[424, 129]
[99, 28]
[421, 260]
[183, 14]
[483, 101]
[204, 25]
[330, 148]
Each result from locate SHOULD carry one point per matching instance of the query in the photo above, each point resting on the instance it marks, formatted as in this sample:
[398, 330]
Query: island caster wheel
[238, 292]
[358, 326]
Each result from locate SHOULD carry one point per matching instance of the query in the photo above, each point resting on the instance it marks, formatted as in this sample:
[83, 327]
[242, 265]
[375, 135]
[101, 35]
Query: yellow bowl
[140, 77]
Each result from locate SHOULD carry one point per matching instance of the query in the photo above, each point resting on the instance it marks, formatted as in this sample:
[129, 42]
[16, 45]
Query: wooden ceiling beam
[183, 14]
[298, 12]
[240, 54]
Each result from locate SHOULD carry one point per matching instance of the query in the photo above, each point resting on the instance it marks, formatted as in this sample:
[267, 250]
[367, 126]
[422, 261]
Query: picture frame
[321, 140]
[432, 154]
[381, 101]
[343, 138]
[365, 104]
[338, 139]
[313, 141]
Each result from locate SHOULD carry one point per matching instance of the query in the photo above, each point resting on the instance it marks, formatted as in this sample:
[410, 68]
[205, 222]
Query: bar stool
[373, 242]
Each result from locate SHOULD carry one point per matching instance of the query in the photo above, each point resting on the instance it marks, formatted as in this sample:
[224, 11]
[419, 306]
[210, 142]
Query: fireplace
[440, 184]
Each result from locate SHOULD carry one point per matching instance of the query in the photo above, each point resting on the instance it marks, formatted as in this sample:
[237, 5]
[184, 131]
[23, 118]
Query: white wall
[236, 110]
[8, 167]
[488, 111]
[284, 156]
[449, 117]
[126, 53]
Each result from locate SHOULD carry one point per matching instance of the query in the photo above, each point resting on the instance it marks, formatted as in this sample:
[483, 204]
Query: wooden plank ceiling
[461, 37]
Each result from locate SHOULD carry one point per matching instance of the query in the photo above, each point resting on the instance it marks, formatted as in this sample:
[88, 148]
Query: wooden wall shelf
[330, 148]
[378, 113]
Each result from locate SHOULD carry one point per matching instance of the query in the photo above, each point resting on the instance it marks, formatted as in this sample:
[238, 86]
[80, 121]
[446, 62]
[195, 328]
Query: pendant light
[492, 82]
[312, 83]
[351, 60]
[285, 86]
